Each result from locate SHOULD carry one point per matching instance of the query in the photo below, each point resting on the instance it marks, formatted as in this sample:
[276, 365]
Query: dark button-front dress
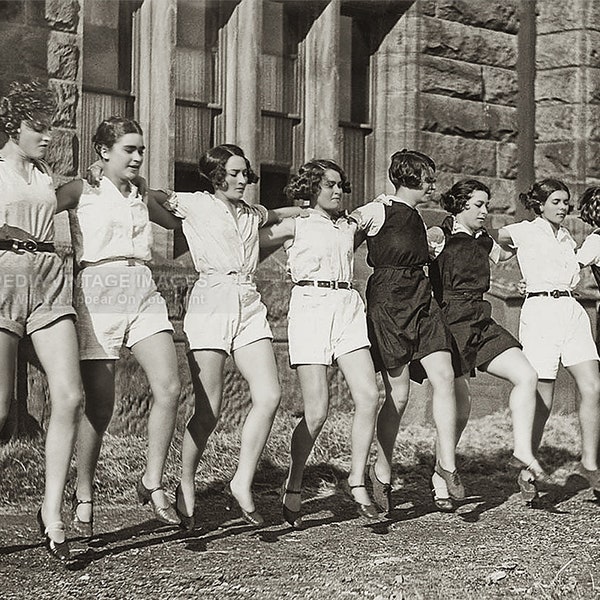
[404, 322]
[460, 276]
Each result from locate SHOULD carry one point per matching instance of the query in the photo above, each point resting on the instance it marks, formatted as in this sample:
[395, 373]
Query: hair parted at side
[113, 128]
[589, 206]
[305, 186]
[211, 166]
[456, 198]
[24, 102]
[407, 168]
[539, 192]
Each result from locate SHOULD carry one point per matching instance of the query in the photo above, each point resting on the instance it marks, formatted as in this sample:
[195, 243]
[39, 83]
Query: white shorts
[116, 304]
[554, 330]
[225, 314]
[324, 324]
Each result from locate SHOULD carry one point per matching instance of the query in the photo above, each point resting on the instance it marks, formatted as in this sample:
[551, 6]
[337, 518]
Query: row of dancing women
[425, 315]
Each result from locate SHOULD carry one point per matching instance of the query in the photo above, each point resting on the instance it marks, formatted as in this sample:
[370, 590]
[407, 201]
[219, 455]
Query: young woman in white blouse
[117, 304]
[554, 327]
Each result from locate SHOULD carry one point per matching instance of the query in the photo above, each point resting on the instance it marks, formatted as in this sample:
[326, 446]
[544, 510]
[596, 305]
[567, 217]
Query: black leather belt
[334, 285]
[551, 294]
[26, 246]
[465, 295]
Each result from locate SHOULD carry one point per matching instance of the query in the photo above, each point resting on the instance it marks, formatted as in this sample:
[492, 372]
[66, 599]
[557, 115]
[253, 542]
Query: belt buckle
[28, 245]
[555, 293]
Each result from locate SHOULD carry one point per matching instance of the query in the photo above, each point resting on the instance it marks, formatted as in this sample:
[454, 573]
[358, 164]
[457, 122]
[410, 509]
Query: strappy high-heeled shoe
[382, 492]
[536, 470]
[293, 517]
[439, 494]
[86, 528]
[456, 489]
[188, 522]
[365, 510]
[593, 478]
[165, 514]
[59, 550]
[252, 518]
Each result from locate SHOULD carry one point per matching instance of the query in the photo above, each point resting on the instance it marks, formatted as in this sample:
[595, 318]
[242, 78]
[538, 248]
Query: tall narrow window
[279, 100]
[197, 85]
[107, 43]
[355, 109]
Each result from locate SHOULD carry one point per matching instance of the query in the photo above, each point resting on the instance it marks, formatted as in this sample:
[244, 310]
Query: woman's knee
[315, 418]
[166, 393]
[268, 399]
[526, 378]
[589, 388]
[68, 402]
[367, 400]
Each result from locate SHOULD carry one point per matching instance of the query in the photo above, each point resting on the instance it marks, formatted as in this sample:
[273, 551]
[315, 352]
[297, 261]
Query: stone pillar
[321, 93]
[395, 96]
[567, 92]
[242, 68]
[155, 39]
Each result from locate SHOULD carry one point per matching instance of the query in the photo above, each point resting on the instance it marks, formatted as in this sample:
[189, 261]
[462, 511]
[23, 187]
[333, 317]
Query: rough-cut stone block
[63, 152]
[450, 78]
[496, 15]
[23, 50]
[560, 16]
[504, 195]
[508, 160]
[455, 154]
[592, 122]
[592, 155]
[63, 14]
[592, 93]
[557, 86]
[554, 123]
[63, 56]
[67, 97]
[461, 42]
[554, 159]
[467, 118]
[563, 49]
[500, 86]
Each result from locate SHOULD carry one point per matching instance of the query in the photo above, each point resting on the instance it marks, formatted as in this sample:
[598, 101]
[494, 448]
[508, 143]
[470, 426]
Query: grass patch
[484, 450]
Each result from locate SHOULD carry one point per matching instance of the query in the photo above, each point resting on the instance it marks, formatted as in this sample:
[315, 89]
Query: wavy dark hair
[407, 168]
[23, 101]
[589, 206]
[211, 166]
[306, 185]
[540, 191]
[113, 128]
[456, 198]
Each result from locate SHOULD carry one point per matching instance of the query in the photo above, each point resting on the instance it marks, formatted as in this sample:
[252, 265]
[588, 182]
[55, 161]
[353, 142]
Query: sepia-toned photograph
[299, 299]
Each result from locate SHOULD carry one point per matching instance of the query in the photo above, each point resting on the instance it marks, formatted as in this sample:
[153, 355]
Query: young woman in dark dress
[460, 276]
[405, 323]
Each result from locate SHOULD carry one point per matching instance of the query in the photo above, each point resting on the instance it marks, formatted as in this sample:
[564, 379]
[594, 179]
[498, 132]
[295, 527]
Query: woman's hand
[94, 173]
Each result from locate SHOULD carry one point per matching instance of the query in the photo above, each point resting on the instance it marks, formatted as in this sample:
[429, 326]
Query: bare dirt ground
[492, 547]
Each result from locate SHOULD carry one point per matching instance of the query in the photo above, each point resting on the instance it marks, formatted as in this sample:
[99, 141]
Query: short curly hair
[306, 185]
[211, 166]
[24, 100]
[407, 168]
[589, 206]
[456, 198]
[113, 128]
[540, 191]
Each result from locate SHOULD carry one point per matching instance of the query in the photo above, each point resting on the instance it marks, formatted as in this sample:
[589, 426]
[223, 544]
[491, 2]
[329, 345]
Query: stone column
[395, 95]
[567, 92]
[321, 93]
[242, 67]
[155, 39]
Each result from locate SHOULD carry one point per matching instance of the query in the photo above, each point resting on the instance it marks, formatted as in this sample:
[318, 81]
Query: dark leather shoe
[293, 517]
[382, 492]
[59, 550]
[165, 514]
[536, 471]
[188, 522]
[252, 518]
[365, 510]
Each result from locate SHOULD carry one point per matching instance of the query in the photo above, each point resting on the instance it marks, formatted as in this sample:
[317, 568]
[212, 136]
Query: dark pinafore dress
[404, 322]
[460, 276]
